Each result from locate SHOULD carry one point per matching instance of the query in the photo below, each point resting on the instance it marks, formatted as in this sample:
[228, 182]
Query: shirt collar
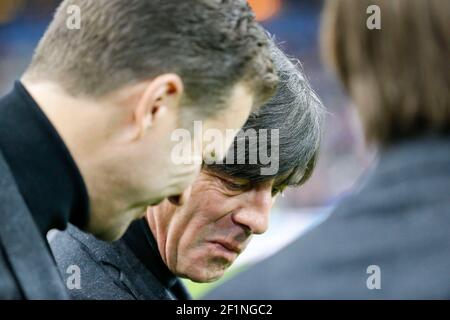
[141, 241]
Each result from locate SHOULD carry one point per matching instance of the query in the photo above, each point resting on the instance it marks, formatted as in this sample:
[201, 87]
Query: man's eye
[234, 186]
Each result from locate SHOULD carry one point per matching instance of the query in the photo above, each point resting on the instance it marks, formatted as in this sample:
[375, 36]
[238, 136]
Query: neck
[75, 119]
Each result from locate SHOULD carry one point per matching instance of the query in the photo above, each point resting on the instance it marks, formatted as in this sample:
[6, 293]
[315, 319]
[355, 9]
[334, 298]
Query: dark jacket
[398, 221]
[40, 189]
[128, 269]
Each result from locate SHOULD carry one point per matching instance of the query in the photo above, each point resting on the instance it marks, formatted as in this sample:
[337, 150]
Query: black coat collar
[42, 167]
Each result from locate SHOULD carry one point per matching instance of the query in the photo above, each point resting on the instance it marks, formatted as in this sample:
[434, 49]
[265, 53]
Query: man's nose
[180, 199]
[254, 214]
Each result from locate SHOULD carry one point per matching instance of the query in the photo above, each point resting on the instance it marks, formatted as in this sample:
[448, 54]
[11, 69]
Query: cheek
[217, 204]
[194, 252]
[192, 241]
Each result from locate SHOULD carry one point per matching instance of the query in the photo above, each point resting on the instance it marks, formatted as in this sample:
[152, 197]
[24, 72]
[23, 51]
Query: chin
[112, 228]
[200, 276]
[108, 235]
[111, 233]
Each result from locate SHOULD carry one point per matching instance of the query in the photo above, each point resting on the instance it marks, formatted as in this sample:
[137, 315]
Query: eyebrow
[236, 179]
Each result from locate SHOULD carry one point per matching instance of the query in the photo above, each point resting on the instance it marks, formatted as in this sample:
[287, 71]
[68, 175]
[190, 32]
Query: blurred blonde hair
[399, 76]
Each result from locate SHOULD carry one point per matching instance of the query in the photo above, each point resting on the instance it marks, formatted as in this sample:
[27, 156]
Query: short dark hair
[211, 44]
[297, 112]
[398, 75]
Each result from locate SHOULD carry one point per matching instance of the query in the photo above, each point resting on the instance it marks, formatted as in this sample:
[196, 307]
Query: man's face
[202, 238]
[144, 173]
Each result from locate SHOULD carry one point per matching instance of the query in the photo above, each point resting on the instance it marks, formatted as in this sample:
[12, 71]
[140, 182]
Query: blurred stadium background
[295, 25]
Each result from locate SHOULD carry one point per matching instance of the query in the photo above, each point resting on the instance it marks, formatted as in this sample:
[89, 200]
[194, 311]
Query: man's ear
[163, 92]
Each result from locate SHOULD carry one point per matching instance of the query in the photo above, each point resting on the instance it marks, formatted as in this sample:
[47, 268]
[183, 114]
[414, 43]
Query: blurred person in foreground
[228, 203]
[86, 135]
[390, 238]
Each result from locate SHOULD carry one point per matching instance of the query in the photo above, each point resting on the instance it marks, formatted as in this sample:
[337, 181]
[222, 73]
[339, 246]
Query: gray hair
[297, 112]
